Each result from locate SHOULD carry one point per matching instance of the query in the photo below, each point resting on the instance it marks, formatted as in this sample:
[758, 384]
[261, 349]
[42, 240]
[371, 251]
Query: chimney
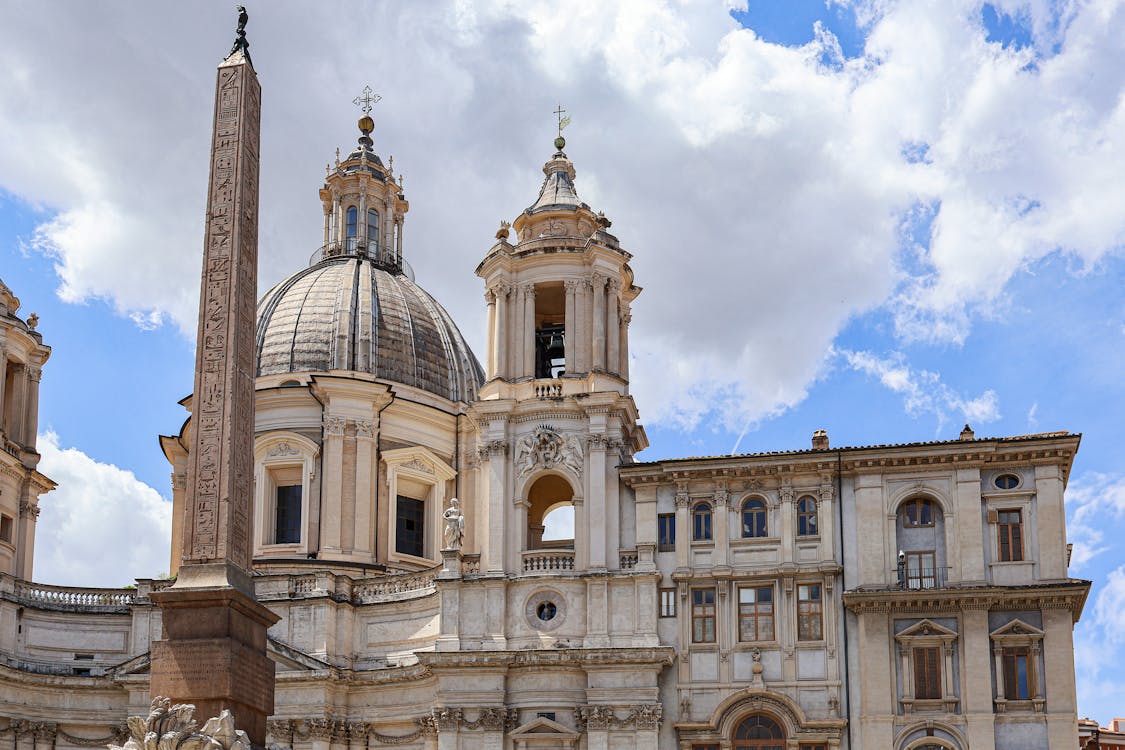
[820, 440]
[967, 433]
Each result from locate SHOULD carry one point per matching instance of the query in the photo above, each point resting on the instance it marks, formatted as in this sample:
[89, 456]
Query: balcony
[548, 561]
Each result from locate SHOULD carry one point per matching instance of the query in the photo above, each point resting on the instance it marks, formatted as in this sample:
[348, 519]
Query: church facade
[405, 532]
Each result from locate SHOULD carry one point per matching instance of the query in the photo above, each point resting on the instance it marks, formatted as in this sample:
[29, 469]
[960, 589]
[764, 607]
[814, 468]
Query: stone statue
[240, 42]
[454, 525]
[169, 727]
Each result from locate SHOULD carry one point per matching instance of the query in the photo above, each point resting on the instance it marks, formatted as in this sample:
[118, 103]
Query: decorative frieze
[546, 449]
[601, 717]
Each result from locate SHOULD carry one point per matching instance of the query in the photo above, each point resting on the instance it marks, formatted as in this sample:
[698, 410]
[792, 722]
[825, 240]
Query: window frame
[917, 502]
[928, 678]
[7, 529]
[417, 541]
[1006, 540]
[351, 227]
[920, 576]
[294, 508]
[755, 520]
[1017, 635]
[419, 473]
[666, 596]
[813, 608]
[702, 613]
[804, 516]
[665, 522]
[282, 458]
[371, 243]
[756, 614]
[702, 514]
[1009, 658]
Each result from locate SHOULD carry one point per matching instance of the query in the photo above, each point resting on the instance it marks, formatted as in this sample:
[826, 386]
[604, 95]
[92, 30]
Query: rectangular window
[287, 527]
[1010, 526]
[927, 672]
[667, 602]
[703, 615]
[6, 529]
[549, 715]
[410, 523]
[704, 747]
[1017, 673]
[755, 613]
[666, 531]
[810, 619]
[814, 746]
[920, 570]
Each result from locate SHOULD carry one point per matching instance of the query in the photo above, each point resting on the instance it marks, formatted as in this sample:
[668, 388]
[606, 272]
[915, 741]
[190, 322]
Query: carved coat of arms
[546, 448]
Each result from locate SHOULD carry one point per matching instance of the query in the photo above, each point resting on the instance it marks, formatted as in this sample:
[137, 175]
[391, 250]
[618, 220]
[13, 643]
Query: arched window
[760, 733]
[701, 522]
[754, 518]
[372, 231]
[918, 512]
[352, 227]
[806, 517]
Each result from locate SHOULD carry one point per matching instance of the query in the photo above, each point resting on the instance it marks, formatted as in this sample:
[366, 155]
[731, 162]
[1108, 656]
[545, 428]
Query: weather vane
[564, 119]
[364, 102]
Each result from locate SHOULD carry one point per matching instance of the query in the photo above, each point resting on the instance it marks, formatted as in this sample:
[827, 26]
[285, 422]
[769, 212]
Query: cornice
[568, 657]
[1070, 596]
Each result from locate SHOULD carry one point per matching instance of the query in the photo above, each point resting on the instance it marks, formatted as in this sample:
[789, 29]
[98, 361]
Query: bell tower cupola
[559, 292]
[364, 203]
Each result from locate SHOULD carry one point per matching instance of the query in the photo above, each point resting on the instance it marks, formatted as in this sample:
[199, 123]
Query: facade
[900, 596]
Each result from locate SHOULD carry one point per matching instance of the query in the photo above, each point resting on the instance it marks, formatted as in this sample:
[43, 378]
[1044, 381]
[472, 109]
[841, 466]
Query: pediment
[542, 728]
[1017, 628]
[927, 629]
[419, 460]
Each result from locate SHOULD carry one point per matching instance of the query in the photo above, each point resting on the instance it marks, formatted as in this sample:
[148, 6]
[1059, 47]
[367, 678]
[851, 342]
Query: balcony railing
[917, 579]
[548, 561]
[72, 598]
[385, 257]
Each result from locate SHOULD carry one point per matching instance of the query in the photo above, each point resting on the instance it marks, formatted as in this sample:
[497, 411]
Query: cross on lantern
[563, 119]
[364, 102]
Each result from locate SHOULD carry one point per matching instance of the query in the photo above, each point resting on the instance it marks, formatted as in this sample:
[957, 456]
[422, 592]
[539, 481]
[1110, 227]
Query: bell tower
[554, 417]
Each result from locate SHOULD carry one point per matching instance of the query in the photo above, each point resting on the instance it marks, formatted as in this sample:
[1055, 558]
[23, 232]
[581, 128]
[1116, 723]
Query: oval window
[1007, 481]
[546, 611]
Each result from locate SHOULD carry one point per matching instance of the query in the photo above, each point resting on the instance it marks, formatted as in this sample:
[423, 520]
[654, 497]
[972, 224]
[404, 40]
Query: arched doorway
[759, 732]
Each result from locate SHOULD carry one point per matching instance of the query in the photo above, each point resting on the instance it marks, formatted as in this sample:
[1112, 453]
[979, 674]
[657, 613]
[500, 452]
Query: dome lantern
[364, 205]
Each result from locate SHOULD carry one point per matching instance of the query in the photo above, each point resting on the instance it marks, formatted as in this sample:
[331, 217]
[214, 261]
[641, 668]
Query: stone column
[515, 362]
[571, 328]
[826, 518]
[490, 364]
[599, 282]
[626, 318]
[18, 405]
[327, 223]
[362, 540]
[332, 499]
[785, 521]
[596, 513]
[25, 547]
[683, 529]
[32, 415]
[502, 332]
[529, 331]
[213, 650]
[722, 527]
[613, 328]
[582, 306]
[4, 382]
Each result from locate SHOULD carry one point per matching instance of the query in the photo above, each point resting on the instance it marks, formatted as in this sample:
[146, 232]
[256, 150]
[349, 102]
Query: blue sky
[865, 256]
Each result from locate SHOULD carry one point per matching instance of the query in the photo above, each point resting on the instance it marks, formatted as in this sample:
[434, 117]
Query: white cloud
[770, 194]
[1099, 647]
[102, 526]
[923, 392]
[1094, 503]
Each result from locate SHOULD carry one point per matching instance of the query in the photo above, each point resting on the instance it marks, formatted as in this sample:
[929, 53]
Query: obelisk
[213, 650]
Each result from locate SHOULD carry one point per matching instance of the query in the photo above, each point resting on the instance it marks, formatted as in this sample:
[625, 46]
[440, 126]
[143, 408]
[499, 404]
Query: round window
[545, 610]
[1007, 481]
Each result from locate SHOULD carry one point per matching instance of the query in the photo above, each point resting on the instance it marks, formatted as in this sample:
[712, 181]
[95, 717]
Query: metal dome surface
[347, 313]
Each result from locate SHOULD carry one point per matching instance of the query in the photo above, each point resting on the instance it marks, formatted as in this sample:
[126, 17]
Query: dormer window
[372, 231]
[352, 227]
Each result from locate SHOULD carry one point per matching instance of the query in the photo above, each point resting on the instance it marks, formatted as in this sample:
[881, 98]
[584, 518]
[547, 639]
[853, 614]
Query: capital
[572, 285]
[334, 425]
[529, 291]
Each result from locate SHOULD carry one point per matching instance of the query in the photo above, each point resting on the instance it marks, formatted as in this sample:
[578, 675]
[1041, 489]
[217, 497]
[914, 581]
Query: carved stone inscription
[220, 464]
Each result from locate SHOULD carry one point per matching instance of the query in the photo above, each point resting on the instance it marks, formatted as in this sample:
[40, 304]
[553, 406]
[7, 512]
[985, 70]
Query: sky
[882, 219]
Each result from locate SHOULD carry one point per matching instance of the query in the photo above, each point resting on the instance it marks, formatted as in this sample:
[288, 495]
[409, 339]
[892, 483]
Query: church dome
[350, 312]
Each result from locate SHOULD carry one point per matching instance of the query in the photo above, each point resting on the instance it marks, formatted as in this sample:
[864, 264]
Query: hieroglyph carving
[546, 448]
[221, 459]
[169, 727]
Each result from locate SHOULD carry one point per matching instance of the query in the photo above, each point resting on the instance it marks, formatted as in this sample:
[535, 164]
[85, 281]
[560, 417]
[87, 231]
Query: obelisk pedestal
[213, 649]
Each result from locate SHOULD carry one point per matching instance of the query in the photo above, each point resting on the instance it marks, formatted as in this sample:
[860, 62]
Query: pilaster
[528, 367]
[571, 326]
[599, 339]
